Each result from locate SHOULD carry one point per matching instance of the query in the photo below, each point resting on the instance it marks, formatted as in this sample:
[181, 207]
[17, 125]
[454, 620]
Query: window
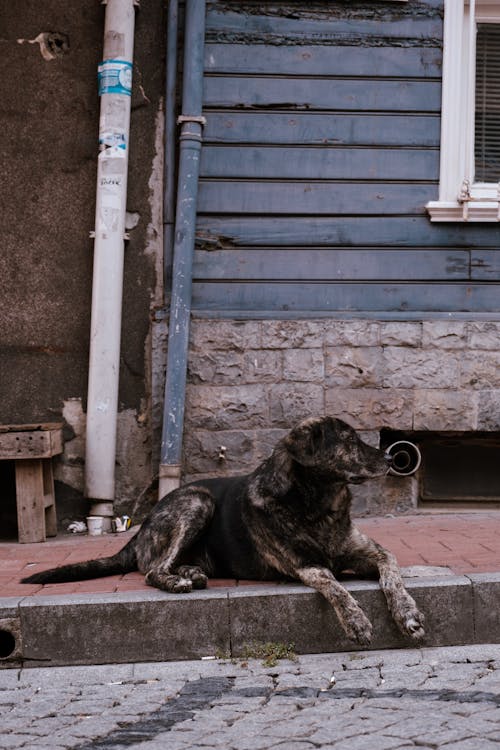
[469, 187]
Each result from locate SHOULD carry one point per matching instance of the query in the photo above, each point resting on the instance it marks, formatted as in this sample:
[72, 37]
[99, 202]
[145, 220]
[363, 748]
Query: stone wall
[250, 381]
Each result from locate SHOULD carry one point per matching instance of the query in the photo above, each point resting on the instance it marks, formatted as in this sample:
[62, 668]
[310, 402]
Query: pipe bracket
[192, 118]
[137, 3]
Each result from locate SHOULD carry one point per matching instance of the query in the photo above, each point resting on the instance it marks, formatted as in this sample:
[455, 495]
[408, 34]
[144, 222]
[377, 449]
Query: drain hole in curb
[7, 644]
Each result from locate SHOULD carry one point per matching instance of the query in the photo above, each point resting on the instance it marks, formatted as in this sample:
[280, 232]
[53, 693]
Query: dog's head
[332, 447]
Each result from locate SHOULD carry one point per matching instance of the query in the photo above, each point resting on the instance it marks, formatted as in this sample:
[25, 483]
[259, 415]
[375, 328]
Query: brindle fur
[289, 518]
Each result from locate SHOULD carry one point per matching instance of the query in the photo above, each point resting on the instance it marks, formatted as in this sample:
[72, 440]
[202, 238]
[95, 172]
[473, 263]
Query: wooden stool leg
[49, 498]
[30, 500]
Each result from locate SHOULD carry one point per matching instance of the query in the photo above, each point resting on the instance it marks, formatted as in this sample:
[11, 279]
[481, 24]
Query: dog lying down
[288, 518]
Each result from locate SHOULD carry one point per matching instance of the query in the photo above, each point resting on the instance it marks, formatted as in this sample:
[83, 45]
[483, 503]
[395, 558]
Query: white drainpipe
[115, 85]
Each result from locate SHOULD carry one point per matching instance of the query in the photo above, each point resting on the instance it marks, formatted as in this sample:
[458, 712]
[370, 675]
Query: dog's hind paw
[194, 574]
[174, 584]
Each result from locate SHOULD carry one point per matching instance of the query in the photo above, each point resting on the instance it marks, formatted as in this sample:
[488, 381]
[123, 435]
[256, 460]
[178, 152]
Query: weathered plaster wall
[250, 381]
[48, 151]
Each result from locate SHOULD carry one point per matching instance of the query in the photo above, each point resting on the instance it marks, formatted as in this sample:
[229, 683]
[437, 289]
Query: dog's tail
[123, 561]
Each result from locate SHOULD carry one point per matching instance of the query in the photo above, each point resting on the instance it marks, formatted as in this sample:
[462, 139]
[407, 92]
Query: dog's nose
[389, 458]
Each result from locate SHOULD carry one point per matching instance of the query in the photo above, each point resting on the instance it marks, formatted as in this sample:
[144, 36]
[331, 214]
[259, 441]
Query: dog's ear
[308, 442]
[272, 479]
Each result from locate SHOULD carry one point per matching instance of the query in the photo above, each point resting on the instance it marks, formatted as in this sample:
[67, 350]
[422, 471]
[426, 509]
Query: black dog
[289, 518]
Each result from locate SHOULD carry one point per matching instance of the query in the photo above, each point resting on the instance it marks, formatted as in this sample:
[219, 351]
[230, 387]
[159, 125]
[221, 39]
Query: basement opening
[7, 644]
[458, 469]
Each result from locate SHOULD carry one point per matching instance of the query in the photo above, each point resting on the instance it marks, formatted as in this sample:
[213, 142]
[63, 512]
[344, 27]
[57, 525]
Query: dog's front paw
[413, 625]
[410, 621]
[359, 629]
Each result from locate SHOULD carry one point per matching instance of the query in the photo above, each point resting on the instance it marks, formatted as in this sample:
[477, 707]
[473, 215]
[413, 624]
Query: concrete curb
[155, 626]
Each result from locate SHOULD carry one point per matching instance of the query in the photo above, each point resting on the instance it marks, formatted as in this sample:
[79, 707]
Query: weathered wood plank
[313, 198]
[322, 94]
[346, 297]
[329, 264]
[29, 445]
[30, 501]
[305, 128]
[392, 62]
[335, 24]
[485, 265]
[49, 500]
[35, 427]
[322, 162]
[374, 231]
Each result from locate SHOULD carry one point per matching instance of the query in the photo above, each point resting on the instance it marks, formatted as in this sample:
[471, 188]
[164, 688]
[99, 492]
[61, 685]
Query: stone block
[480, 369]
[484, 335]
[416, 368]
[245, 450]
[203, 451]
[352, 333]
[292, 334]
[225, 334]
[486, 592]
[400, 333]
[96, 629]
[288, 404]
[389, 494]
[9, 605]
[350, 367]
[444, 334]
[488, 417]
[216, 367]
[448, 606]
[227, 407]
[371, 408]
[290, 613]
[294, 614]
[445, 409]
[302, 365]
[262, 366]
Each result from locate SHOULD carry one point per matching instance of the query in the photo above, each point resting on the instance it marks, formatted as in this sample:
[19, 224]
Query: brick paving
[463, 542]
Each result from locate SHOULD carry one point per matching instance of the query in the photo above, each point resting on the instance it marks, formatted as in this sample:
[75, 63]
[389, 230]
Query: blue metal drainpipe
[191, 122]
[169, 153]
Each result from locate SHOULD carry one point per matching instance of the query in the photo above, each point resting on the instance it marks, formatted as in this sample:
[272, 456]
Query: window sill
[464, 212]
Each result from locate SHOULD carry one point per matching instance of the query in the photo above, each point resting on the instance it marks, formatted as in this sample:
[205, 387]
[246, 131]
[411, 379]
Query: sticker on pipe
[115, 77]
[113, 139]
[109, 209]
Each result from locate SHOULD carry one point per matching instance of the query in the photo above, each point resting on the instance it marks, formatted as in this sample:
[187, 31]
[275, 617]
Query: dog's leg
[165, 542]
[351, 617]
[366, 557]
[163, 573]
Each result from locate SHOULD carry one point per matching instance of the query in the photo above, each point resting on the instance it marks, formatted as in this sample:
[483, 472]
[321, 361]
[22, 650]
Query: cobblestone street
[428, 698]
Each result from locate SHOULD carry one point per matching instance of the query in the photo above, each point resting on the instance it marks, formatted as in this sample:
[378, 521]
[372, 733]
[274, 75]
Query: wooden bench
[31, 447]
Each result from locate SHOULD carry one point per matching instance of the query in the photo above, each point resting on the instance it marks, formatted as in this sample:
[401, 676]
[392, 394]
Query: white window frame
[460, 198]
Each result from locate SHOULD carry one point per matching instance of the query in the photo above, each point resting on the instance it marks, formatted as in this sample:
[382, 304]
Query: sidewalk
[464, 547]
[464, 543]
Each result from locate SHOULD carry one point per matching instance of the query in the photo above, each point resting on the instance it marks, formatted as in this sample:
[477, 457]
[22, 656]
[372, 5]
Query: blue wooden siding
[320, 152]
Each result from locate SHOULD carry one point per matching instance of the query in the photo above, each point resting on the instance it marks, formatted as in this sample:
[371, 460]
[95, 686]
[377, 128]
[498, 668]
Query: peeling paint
[133, 458]
[327, 40]
[53, 44]
[69, 468]
[154, 232]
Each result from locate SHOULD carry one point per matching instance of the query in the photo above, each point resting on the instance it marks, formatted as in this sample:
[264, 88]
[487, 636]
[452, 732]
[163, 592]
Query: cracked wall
[49, 149]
